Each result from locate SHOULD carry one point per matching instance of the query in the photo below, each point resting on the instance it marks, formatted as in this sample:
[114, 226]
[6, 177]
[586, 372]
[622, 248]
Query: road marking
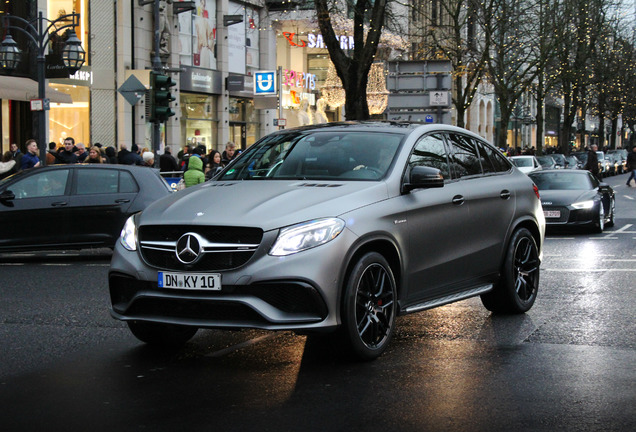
[581, 270]
[628, 197]
[242, 345]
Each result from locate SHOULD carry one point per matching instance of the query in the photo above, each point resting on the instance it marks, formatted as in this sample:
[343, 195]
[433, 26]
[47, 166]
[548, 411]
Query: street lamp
[39, 31]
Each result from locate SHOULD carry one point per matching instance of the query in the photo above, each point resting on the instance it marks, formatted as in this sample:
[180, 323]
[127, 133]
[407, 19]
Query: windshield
[317, 156]
[522, 162]
[561, 181]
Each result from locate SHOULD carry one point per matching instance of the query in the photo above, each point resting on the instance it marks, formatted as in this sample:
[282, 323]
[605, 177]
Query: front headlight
[583, 205]
[305, 236]
[128, 236]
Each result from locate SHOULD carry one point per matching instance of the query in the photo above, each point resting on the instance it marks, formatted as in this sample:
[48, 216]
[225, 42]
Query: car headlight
[128, 236]
[307, 235]
[583, 205]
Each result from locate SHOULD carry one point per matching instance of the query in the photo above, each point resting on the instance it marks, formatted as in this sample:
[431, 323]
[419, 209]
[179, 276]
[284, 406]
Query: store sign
[299, 79]
[200, 80]
[316, 41]
[265, 83]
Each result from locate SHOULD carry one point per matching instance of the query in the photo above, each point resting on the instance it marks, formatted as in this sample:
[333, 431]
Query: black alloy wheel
[369, 307]
[517, 288]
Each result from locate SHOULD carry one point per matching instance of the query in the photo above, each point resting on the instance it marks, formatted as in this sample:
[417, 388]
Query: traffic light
[160, 97]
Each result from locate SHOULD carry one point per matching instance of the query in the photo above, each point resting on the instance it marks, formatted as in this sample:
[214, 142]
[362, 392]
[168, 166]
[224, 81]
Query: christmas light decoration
[377, 94]
[332, 90]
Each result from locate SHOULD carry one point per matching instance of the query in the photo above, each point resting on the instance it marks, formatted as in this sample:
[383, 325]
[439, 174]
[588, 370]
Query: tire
[161, 335]
[369, 307]
[599, 222]
[612, 209]
[516, 290]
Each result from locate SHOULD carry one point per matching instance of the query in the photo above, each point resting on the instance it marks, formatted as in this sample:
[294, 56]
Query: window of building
[199, 124]
[71, 120]
[58, 8]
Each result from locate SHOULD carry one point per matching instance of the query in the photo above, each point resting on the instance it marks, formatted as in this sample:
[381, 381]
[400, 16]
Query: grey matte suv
[338, 227]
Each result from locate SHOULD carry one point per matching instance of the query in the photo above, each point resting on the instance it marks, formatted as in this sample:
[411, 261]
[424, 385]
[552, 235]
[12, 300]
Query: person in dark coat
[132, 157]
[67, 155]
[592, 161]
[111, 155]
[167, 162]
[631, 166]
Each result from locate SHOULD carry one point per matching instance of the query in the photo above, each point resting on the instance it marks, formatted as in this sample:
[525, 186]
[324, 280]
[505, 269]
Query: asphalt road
[566, 365]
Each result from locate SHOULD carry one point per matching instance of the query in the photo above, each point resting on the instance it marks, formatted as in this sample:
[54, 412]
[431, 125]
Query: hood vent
[320, 185]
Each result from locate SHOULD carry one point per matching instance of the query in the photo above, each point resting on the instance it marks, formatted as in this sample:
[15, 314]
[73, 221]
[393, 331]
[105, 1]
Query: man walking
[631, 166]
[592, 161]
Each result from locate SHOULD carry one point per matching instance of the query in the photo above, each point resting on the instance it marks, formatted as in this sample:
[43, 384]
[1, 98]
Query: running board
[449, 299]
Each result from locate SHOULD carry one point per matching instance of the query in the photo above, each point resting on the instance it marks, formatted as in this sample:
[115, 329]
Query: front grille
[224, 248]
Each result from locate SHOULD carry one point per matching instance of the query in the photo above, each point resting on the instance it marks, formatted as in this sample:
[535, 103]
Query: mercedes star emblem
[189, 248]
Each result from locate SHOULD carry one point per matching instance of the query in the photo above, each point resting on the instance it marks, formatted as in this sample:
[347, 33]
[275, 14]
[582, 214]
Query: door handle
[505, 194]
[59, 204]
[122, 200]
[458, 200]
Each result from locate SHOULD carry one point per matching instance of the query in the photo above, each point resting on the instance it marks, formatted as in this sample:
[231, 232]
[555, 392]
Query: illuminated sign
[317, 41]
[299, 79]
[265, 83]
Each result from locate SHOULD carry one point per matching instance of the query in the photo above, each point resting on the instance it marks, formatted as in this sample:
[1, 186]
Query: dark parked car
[548, 162]
[335, 227]
[573, 162]
[561, 161]
[73, 206]
[575, 198]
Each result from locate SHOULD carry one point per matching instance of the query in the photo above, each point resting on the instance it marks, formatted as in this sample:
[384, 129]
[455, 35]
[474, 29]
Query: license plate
[202, 281]
[552, 213]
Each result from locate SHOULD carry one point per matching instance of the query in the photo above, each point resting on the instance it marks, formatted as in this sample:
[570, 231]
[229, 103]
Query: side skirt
[440, 301]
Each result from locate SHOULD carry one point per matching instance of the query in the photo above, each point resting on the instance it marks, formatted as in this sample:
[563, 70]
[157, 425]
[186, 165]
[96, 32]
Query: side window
[97, 181]
[127, 183]
[463, 155]
[431, 152]
[42, 184]
[491, 159]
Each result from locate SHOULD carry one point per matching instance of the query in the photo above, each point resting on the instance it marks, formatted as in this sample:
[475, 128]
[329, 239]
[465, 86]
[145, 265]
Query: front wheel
[612, 209]
[517, 288]
[369, 307]
[599, 222]
[162, 335]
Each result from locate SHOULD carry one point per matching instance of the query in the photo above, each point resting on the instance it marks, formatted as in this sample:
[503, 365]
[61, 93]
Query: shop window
[58, 8]
[70, 120]
[198, 123]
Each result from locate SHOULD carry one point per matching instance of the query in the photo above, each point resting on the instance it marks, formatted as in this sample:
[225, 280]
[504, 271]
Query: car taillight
[536, 191]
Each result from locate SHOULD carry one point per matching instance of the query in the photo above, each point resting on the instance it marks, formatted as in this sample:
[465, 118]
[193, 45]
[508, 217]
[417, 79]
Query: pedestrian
[215, 164]
[94, 156]
[229, 153]
[631, 166]
[51, 155]
[167, 162]
[31, 159]
[7, 164]
[194, 174]
[149, 159]
[111, 155]
[132, 157]
[67, 154]
[16, 155]
[81, 153]
[592, 161]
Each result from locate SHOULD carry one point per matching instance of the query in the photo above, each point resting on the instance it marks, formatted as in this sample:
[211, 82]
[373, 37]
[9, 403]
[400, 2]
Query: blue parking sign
[428, 119]
[265, 83]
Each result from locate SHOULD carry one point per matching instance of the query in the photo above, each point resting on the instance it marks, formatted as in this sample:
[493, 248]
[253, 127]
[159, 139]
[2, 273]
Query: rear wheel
[369, 307]
[159, 334]
[518, 285]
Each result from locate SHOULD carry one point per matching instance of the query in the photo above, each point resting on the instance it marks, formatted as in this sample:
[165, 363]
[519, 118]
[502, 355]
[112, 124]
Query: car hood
[266, 204]
[565, 197]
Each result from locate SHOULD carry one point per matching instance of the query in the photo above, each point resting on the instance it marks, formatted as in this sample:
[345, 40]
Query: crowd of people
[196, 164]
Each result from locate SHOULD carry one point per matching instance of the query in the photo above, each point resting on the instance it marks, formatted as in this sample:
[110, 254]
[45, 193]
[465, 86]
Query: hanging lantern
[332, 90]
[377, 94]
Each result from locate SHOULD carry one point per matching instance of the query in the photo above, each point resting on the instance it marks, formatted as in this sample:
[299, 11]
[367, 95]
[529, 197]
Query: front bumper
[295, 292]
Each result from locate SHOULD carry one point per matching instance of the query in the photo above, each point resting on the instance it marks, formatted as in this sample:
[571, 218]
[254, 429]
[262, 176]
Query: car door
[492, 208]
[38, 215]
[437, 218]
[99, 204]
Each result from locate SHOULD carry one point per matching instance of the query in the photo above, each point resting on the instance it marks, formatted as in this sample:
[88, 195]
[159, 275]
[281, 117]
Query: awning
[25, 89]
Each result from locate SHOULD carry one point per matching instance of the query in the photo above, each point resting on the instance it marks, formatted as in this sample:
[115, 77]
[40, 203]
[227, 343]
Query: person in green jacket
[194, 174]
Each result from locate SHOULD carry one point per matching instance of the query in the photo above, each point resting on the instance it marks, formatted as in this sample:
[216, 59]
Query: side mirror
[7, 195]
[423, 177]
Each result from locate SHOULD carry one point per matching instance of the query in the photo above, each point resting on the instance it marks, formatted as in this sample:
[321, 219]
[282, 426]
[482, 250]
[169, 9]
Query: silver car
[333, 228]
